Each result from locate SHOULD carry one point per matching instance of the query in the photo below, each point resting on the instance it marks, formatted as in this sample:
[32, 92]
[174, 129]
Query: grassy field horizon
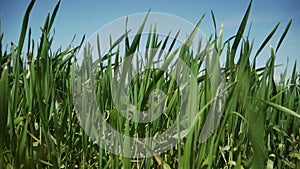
[255, 121]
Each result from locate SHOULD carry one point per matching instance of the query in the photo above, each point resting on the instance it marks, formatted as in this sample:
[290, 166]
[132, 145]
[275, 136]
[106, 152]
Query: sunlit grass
[259, 127]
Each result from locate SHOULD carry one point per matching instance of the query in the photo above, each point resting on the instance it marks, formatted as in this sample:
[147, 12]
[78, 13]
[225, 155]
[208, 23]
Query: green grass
[259, 127]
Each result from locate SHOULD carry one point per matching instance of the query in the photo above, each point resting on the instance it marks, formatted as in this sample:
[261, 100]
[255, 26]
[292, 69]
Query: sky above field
[86, 17]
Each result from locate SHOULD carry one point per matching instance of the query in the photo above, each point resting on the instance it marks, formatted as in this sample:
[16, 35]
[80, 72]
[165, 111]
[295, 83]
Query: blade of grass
[283, 35]
[266, 41]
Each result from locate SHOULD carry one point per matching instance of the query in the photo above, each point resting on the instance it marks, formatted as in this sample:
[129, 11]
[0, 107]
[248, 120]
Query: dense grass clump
[259, 127]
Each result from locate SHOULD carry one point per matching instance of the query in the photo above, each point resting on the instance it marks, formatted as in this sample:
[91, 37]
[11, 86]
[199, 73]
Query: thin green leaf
[283, 35]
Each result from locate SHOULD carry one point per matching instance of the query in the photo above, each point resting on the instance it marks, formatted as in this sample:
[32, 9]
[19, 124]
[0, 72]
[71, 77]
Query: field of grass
[259, 126]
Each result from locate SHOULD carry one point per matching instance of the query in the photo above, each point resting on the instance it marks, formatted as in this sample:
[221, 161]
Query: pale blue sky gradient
[85, 17]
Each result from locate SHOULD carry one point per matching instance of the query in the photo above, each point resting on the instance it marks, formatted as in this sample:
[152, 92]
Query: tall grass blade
[266, 40]
[240, 33]
[283, 35]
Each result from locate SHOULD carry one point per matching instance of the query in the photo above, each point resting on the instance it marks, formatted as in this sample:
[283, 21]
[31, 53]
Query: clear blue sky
[85, 17]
